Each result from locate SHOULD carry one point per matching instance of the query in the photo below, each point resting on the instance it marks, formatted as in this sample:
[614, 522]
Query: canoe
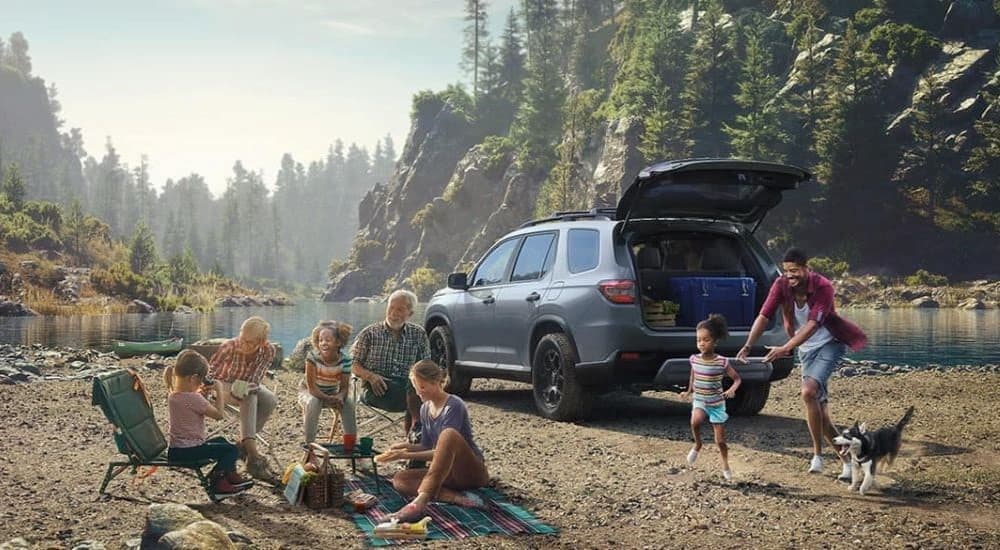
[124, 348]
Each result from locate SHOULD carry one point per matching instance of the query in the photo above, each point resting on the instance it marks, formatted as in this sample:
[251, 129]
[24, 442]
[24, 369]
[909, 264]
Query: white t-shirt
[818, 338]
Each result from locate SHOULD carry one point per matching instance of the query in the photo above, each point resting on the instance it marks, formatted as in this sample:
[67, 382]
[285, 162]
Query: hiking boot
[238, 481]
[224, 489]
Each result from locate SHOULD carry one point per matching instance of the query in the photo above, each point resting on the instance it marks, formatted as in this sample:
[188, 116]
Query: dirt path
[618, 480]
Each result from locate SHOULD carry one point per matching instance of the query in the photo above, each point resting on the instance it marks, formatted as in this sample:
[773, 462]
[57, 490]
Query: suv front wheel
[443, 353]
[558, 394]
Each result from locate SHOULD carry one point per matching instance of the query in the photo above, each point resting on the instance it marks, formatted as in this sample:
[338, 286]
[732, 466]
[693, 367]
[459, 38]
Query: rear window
[583, 247]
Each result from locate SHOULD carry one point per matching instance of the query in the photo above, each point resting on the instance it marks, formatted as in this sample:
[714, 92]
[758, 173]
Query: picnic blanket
[448, 521]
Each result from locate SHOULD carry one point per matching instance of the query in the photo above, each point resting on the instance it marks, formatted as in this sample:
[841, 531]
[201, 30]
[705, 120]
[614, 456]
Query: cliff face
[450, 199]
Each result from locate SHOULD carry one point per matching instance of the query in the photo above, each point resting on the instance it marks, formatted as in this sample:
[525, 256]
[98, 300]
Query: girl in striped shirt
[708, 401]
[327, 381]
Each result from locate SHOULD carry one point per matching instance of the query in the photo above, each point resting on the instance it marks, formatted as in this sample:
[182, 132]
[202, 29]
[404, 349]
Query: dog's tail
[905, 420]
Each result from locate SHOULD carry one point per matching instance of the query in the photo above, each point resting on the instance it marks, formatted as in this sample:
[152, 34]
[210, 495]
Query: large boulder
[297, 359]
[138, 306]
[205, 534]
[351, 283]
[619, 161]
[164, 518]
[10, 308]
[967, 17]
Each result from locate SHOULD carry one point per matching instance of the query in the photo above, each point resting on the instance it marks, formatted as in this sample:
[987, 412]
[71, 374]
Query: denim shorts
[819, 364]
[716, 413]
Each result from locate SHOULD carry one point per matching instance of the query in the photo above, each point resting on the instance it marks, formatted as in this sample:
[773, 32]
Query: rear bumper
[658, 371]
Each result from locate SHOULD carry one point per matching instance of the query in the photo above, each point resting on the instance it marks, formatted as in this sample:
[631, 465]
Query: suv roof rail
[597, 213]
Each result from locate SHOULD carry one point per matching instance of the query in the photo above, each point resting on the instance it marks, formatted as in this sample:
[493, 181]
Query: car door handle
[533, 297]
[489, 300]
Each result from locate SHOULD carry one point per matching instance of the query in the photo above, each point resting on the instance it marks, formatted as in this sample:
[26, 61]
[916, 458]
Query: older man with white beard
[384, 352]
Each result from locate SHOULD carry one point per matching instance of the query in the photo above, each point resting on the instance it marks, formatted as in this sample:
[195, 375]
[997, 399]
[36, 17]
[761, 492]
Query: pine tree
[984, 159]
[538, 121]
[511, 59]
[142, 250]
[757, 133]
[17, 53]
[707, 100]
[75, 231]
[476, 38]
[13, 186]
[928, 156]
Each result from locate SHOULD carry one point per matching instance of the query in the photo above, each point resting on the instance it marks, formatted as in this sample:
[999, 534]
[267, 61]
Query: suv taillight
[620, 291]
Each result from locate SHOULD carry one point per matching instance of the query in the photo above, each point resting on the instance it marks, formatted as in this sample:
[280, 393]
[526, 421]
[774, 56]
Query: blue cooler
[732, 297]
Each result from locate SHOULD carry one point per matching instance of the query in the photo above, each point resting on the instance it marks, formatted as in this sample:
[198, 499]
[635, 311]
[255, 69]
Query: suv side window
[493, 268]
[534, 259]
[583, 249]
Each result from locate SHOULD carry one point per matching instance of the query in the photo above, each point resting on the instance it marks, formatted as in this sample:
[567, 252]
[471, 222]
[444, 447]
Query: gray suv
[583, 303]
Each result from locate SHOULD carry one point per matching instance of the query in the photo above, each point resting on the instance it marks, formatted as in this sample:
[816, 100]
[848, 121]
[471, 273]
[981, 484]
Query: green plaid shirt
[377, 349]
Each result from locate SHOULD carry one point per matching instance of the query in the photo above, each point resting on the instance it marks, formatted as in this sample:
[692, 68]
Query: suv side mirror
[458, 281]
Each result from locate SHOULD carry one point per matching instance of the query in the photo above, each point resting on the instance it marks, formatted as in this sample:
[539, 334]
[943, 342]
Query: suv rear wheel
[443, 353]
[749, 399]
[558, 394]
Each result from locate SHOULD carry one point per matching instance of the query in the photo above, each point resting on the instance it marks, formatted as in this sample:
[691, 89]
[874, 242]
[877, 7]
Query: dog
[867, 449]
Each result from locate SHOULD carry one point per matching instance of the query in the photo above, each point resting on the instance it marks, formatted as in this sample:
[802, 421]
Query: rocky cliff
[451, 197]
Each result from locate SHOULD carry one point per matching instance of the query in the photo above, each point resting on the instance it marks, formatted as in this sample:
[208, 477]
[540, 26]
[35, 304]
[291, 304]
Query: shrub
[829, 266]
[425, 214]
[45, 213]
[924, 277]
[19, 231]
[425, 281]
[119, 280]
[367, 252]
[497, 151]
[904, 44]
[335, 267]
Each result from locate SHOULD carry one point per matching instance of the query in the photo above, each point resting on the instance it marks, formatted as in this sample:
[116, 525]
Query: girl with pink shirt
[185, 382]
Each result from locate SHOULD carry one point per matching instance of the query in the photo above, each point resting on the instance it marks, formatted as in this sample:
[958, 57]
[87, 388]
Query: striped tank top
[329, 377]
[708, 376]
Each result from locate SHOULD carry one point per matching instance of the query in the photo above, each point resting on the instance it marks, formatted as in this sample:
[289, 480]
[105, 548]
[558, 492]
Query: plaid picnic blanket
[448, 521]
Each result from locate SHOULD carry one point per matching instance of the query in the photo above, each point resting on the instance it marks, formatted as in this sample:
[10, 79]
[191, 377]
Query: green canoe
[125, 348]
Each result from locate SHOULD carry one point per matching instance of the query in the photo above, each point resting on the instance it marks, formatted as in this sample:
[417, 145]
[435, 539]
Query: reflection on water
[921, 336]
[901, 336]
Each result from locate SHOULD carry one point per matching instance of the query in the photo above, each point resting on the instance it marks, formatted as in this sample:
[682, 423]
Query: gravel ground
[619, 479]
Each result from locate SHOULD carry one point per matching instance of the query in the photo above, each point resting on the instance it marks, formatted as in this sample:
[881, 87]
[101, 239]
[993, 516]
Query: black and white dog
[869, 448]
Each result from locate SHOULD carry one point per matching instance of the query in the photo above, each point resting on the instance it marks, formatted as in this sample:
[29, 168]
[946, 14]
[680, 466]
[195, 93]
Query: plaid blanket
[448, 521]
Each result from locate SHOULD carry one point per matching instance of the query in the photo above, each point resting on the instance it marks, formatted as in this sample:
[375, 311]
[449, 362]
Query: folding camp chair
[381, 415]
[121, 396]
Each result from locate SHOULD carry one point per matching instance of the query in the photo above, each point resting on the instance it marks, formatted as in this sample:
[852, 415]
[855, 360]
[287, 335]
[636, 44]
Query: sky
[197, 84]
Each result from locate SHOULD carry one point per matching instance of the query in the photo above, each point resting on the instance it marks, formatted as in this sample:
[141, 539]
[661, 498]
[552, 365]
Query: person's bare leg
[412, 410]
[814, 413]
[720, 440]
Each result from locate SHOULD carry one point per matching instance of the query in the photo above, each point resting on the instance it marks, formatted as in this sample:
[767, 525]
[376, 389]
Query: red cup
[349, 440]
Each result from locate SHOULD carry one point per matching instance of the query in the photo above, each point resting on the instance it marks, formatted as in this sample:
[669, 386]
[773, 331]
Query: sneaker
[414, 435]
[727, 474]
[692, 456]
[816, 465]
[845, 473]
[224, 489]
[238, 481]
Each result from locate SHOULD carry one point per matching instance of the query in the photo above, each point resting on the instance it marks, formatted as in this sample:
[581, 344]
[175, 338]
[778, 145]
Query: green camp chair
[123, 399]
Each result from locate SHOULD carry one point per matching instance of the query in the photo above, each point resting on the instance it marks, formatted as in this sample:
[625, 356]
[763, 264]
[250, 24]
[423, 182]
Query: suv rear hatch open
[720, 189]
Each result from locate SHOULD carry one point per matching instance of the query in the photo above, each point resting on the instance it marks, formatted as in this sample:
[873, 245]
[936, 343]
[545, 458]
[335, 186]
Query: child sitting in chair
[188, 408]
[327, 381]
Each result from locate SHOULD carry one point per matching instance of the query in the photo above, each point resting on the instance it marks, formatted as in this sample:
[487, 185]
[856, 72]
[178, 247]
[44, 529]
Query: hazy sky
[198, 84]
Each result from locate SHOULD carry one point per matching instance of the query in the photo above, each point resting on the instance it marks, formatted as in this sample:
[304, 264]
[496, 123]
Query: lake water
[896, 336]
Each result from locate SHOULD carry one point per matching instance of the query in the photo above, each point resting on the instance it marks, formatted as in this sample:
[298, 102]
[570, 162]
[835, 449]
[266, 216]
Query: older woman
[328, 380]
[239, 366]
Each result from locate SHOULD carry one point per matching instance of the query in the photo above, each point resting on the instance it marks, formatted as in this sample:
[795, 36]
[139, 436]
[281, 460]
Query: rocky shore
[619, 479]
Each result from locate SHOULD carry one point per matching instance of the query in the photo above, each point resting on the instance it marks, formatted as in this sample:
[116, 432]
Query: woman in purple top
[456, 463]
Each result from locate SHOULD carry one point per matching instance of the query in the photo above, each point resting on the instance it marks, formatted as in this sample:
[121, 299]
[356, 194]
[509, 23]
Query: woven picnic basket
[327, 488]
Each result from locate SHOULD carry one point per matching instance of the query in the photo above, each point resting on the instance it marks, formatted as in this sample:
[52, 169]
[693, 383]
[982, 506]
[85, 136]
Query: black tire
[443, 353]
[558, 394]
[750, 398]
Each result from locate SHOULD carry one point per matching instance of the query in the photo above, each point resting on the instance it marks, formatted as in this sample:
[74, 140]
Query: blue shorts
[819, 364]
[716, 413]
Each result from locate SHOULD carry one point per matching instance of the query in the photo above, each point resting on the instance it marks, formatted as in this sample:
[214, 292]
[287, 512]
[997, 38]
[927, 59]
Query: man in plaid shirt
[384, 352]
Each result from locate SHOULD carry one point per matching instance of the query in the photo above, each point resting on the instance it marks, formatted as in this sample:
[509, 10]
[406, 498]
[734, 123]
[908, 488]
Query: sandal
[408, 513]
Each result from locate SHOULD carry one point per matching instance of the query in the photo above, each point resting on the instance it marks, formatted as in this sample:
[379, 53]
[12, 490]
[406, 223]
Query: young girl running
[456, 463]
[708, 401]
[188, 409]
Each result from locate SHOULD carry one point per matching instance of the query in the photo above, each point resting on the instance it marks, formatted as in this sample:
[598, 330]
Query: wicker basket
[327, 488]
